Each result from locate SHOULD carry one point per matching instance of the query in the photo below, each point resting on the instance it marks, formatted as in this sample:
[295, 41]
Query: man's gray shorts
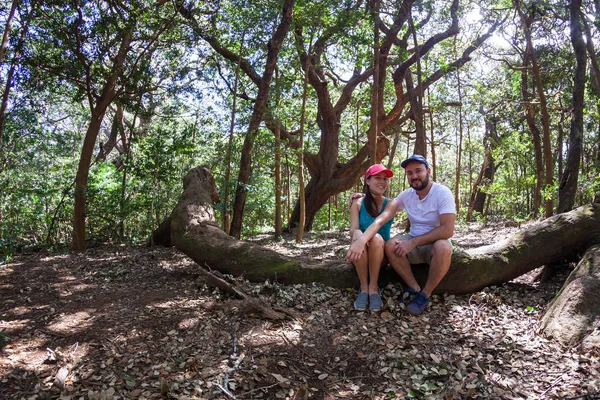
[418, 255]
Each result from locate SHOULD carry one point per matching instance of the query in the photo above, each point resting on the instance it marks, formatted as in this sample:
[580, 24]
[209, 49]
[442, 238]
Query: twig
[234, 361]
[474, 310]
[47, 332]
[260, 388]
[227, 392]
[552, 385]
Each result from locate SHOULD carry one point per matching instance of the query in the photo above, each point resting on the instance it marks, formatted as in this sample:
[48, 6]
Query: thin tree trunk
[559, 145]
[329, 214]
[375, 92]
[478, 182]
[257, 116]
[416, 99]
[535, 135]
[278, 218]
[301, 196]
[126, 141]
[227, 183]
[89, 142]
[13, 64]
[288, 194]
[417, 114]
[7, 28]
[433, 153]
[547, 146]
[459, 149]
[568, 184]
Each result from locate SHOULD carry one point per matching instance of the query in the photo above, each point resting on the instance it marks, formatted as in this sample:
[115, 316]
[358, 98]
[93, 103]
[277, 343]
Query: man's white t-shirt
[424, 214]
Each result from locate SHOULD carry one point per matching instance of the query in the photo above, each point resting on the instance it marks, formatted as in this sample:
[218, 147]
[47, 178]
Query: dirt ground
[135, 323]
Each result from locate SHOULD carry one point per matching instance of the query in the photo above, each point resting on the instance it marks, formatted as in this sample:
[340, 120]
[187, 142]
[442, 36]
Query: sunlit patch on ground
[137, 324]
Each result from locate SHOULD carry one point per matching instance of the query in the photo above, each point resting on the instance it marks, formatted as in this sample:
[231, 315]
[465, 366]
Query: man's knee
[389, 247]
[442, 248]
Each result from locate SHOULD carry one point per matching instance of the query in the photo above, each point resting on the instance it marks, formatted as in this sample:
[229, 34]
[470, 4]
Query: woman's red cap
[377, 168]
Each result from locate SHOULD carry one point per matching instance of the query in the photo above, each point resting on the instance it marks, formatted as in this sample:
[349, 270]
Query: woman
[363, 212]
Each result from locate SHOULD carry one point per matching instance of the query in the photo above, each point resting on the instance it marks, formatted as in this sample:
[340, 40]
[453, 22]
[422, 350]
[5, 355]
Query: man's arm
[444, 231]
[358, 246]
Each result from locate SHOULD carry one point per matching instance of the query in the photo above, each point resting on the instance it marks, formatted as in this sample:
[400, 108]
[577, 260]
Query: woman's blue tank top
[365, 220]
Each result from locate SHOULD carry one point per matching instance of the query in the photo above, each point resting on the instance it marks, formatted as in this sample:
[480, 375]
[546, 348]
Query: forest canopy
[106, 106]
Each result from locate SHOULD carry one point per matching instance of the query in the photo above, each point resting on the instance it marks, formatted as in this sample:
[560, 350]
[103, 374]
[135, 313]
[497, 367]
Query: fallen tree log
[192, 228]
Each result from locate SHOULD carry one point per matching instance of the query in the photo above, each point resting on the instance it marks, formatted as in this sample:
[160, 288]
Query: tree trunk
[459, 144]
[300, 151]
[432, 141]
[416, 111]
[89, 142]
[574, 313]
[274, 46]
[278, 187]
[13, 64]
[7, 28]
[486, 179]
[537, 148]
[226, 184]
[192, 228]
[375, 92]
[526, 22]
[568, 184]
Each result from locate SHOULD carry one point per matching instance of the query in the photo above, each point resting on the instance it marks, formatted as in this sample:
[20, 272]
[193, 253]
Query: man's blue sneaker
[407, 296]
[375, 302]
[419, 304]
[361, 301]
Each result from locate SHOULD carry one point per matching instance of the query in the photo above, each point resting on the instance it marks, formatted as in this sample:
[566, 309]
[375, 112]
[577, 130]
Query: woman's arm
[355, 231]
[358, 246]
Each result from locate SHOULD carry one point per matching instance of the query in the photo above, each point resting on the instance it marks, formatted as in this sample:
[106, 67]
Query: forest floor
[124, 322]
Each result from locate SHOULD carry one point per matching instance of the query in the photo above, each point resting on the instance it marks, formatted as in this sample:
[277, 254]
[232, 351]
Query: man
[432, 213]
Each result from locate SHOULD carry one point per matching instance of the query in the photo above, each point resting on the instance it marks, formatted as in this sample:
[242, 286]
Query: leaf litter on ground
[133, 322]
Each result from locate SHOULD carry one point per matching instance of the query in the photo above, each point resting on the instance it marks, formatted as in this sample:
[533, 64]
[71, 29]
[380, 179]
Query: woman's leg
[376, 253]
[362, 270]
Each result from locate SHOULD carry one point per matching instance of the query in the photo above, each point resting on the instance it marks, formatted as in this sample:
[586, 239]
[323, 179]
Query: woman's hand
[356, 248]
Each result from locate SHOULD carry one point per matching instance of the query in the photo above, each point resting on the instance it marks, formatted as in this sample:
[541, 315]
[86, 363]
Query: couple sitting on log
[432, 213]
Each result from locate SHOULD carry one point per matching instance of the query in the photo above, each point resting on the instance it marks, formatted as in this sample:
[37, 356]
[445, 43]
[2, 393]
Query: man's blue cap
[415, 157]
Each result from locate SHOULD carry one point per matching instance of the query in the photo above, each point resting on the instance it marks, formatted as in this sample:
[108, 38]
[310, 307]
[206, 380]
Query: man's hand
[354, 196]
[403, 247]
[356, 248]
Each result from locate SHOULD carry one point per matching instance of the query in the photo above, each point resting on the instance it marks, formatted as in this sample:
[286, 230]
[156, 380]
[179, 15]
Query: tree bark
[457, 198]
[13, 64]
[478, 196]
[574, 313]
[89, 142]
[193, 229]
[548, 173]
[7, 28]
[257, 115]
[568, 184]
[226, 184]
[374, 131]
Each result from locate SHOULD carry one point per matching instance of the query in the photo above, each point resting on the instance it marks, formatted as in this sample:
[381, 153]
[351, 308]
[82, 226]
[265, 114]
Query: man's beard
[423, 185]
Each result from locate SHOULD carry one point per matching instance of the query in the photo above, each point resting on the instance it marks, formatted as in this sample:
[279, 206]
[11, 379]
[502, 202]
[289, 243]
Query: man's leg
[401, 265]
[441, 256]
[376, 253]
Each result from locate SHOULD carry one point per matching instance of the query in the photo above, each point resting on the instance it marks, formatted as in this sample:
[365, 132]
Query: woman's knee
[377, 241]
